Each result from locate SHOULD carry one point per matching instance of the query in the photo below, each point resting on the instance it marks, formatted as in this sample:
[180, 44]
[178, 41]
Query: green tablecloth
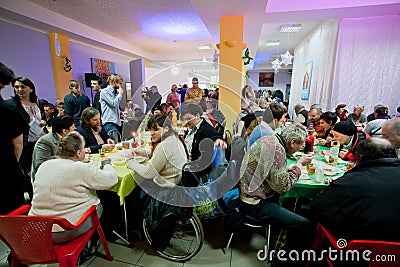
[310, 188]
[125, 184]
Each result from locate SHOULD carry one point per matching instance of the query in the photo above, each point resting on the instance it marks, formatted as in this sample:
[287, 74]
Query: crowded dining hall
[200, 133]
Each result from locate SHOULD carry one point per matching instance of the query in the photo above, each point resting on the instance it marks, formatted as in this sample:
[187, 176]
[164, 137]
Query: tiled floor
[243, 253]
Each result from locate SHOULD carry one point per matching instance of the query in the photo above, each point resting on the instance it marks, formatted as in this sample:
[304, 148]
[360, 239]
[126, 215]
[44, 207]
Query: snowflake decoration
[276, 65]
[286, 58]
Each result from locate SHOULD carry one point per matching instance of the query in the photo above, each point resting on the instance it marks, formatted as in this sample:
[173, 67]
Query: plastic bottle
[334, 153]
[174, 120]
[309, 144]
[319, 174]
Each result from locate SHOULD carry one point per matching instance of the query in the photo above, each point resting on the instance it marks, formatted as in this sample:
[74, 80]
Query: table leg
[124, 238]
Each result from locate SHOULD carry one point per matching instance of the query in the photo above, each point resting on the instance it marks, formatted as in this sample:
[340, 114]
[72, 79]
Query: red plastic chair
[30, 238]
[377, 248]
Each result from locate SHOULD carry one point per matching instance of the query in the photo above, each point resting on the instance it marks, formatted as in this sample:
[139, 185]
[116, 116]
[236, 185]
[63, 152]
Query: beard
[96, 128]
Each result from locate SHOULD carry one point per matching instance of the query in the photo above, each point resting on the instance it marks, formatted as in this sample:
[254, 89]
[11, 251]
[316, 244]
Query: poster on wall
[305, 93]
[266, 79]
[102, 68]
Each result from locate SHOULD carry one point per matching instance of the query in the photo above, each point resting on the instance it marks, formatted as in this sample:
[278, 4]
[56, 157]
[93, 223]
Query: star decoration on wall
[286, 58]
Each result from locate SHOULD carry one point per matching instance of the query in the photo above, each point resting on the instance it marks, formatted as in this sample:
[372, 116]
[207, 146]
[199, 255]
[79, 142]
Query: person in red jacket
[345, 132]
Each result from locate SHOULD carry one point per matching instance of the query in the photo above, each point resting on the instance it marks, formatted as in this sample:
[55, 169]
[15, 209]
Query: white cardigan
[165, 166]
[67, 188]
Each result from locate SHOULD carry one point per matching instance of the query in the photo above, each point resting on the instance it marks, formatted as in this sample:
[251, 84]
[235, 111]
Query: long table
[309, 188]
[123, 188]
[126, 183]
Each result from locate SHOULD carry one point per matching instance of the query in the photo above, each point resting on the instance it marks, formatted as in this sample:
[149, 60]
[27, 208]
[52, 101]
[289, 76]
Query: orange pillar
[231, 78]
[59, 46]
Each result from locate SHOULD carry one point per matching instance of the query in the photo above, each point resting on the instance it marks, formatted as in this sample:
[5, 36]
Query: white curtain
[366, 70]
[320, 48]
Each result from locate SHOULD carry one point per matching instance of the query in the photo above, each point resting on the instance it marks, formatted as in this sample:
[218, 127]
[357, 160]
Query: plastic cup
[311, 170]
[102, 153]
[319, 175]
[125, 144]
[349, 165]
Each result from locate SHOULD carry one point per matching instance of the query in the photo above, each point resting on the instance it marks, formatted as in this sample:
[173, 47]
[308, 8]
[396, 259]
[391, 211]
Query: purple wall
[27, 53]
[81, 55]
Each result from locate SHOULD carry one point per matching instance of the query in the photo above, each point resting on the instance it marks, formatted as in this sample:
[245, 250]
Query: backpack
[237, 149]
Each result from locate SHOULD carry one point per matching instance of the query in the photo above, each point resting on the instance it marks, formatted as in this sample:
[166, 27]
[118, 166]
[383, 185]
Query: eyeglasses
[194, 82]
[187, 119]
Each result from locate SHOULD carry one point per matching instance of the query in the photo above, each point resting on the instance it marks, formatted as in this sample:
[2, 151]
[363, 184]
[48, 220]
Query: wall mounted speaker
[88, 76]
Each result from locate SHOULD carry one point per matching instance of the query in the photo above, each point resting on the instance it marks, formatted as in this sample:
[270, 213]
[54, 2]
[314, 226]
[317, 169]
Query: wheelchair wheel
[186, 241]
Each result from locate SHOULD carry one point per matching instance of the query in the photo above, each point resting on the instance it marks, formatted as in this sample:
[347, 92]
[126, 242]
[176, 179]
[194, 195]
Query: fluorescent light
[290, 27]
[204, 46]
[272, 43]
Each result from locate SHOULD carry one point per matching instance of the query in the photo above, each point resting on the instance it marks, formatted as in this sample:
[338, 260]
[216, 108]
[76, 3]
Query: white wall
[367, 65]
[354, 62]
[164, 78]
[320, 48]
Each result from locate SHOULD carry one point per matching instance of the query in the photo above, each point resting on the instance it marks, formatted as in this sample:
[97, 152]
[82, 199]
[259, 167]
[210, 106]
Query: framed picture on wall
[266, 79]
[102, 68]
[305, 93]
[128, 89]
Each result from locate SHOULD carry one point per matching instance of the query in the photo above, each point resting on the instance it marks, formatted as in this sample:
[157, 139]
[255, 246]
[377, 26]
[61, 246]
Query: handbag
[204, 198]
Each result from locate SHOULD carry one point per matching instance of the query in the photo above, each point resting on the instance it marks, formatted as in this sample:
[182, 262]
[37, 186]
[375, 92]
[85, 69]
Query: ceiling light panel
[204, 47]
[272, 43]
[290, 27]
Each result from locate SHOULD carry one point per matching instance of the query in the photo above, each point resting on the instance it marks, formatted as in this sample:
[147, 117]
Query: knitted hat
[345, 127]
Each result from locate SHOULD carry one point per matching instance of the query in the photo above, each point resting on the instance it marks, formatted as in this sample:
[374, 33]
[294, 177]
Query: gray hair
[317, 109]
[298, 108]
[294, 131]
[375, 148]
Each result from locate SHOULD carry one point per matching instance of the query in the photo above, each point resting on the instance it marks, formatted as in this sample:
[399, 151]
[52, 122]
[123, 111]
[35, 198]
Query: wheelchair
[186, 240]
[187, 237]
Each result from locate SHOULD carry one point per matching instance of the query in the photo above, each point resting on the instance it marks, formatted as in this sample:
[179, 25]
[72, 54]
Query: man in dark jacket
[95, 83]
[93, 133]
[363, 203]
[152, 98]
[200, 139]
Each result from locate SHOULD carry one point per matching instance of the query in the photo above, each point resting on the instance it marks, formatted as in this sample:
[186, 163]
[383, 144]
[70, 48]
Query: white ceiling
[170, 30]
